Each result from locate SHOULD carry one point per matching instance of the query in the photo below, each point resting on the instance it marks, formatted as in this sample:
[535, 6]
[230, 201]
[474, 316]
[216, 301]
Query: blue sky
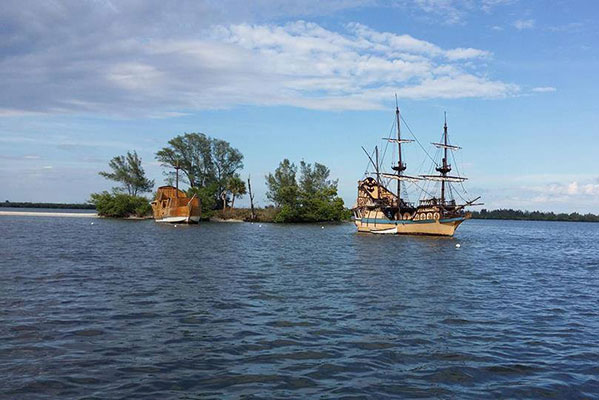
[85, 81]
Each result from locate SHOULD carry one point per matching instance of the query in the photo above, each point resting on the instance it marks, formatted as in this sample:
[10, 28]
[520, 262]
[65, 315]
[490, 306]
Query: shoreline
[48, 214]
[215, 219]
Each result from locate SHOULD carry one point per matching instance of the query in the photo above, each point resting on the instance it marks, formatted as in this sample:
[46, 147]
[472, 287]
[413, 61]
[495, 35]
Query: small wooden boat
[173, 205]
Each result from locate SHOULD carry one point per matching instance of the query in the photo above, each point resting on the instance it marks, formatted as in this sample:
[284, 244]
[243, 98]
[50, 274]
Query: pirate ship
[379, 210]
[173, 205]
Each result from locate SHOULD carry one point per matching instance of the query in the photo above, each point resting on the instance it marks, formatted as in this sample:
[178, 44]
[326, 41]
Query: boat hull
[441, 227]
[179, 220]
[173, 206]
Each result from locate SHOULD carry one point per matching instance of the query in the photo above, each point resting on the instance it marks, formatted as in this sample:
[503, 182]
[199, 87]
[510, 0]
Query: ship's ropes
[417, 141]
[455, 164]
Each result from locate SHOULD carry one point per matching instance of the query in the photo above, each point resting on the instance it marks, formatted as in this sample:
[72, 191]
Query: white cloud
[570, 190]
[544, 89]
[488, 5]
[106, 59]
[546, 192]
[454, 11]
[134, 76]
[451, 11]
[305, 65]
[522, 24]
[464, 54]
[464, 85]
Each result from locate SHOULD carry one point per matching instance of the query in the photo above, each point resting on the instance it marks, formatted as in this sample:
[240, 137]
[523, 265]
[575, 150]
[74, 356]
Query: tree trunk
[253, 214]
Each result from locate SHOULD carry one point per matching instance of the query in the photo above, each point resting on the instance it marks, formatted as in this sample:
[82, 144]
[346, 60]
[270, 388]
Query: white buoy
[458, 245]
[322, 227]
[175, 226]
[260, 226]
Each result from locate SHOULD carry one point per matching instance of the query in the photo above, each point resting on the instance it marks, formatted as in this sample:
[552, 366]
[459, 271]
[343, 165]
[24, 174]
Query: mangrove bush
[120, 205]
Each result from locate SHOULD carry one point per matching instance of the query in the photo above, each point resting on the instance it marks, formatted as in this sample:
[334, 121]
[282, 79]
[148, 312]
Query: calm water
[122, 309]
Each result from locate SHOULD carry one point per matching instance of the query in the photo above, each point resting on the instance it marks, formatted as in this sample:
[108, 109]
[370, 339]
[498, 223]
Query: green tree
[315, 179]
[313, 199]
[192, 153]
[318, 194]
[532, 215]
[226, 161]
[282, 186]
[203, 161]
[127, 171]
[236, 188]
[207, 196]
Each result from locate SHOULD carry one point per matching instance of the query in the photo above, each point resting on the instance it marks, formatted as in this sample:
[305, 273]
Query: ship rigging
[381, 210]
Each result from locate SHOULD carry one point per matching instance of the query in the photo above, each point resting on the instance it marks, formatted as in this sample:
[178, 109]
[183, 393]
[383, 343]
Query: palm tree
[236, 187]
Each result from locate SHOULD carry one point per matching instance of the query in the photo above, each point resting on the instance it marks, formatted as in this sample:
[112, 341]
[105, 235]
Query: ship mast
[445, 168]
[378, 173]
[177, 178]
[400, 166]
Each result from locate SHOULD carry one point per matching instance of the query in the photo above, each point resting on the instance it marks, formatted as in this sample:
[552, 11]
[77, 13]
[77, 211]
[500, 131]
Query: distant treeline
[533, 215]
[73, 206]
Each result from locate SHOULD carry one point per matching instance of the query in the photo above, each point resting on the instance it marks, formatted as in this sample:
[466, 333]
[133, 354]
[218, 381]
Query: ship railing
[436, 202]
[428, 202]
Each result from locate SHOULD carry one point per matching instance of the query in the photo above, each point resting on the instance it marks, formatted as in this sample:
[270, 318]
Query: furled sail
[443, 178]
[401, 177]
[398, 140]
[446, 146]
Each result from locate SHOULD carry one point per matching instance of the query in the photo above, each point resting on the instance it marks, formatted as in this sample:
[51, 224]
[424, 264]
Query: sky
[84, 81]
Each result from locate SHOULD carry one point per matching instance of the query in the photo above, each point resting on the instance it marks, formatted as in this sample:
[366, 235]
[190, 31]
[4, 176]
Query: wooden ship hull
[180, 220]
[173, 206]
[377, 222]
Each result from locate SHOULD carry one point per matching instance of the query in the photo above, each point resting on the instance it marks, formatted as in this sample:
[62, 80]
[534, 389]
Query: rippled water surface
[124, 309]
